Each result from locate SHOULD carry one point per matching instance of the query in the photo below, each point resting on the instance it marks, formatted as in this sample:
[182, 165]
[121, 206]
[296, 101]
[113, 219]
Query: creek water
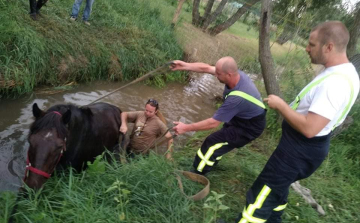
[191, 102]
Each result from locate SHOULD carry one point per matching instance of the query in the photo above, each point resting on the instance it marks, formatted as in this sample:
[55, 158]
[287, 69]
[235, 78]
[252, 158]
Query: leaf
[125, 191]
[218, 196]
[110, 189]
[98, 166]
[211, 198]
[223, 207]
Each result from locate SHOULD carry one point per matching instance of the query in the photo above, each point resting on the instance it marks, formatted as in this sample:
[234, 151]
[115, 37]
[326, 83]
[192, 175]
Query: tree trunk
[207, 11]
[265, 58]
[354, 33]
[177, 12]
[223, 26]
[195, 13]
[211, 18]
[286, 35]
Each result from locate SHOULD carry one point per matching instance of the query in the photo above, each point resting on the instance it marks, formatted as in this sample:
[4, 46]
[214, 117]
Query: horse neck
[78, 127]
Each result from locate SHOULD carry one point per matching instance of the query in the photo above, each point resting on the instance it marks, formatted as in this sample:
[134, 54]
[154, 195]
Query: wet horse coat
[66, 135]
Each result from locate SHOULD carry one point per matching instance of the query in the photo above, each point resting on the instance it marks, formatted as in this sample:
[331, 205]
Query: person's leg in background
[40, 4]
[75, 9]
[33, 9]
[87, 11]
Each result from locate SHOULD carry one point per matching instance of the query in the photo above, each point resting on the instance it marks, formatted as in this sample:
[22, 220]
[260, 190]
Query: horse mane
[52, 120]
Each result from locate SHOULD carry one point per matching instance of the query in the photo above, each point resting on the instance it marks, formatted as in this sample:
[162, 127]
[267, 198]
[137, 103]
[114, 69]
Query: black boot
[33, 16]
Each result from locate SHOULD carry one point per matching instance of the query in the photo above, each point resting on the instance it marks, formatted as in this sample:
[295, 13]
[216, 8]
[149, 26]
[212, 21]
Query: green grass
[126, 39]
[144, 190]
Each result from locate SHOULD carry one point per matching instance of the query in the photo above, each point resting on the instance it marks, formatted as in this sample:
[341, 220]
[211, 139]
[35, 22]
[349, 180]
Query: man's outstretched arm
[195, 67]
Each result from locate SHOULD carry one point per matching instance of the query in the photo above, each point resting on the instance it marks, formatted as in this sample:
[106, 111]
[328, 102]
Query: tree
[302, 15]
[225, 25]
[209, 17]
[265, 58]
[177, 12]
[196, 13]
[354, 32]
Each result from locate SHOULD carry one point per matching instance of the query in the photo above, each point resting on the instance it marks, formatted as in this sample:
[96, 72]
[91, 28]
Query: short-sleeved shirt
[145, 131]
[235, 106]
[330, 97]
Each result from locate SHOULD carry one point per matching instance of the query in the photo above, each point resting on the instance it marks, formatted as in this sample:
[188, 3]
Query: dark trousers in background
[295, 158]
[35, 6]
[235, 134]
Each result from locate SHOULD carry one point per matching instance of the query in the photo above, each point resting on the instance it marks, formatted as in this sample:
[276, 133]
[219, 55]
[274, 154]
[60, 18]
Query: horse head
[47, 141]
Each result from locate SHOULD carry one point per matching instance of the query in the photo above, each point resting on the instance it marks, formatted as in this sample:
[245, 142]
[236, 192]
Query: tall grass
[144, 190]
[125, 40]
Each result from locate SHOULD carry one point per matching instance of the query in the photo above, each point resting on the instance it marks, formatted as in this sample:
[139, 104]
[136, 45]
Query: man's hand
[178, 65]
[180, 128]
[275, 102]
[123, 129]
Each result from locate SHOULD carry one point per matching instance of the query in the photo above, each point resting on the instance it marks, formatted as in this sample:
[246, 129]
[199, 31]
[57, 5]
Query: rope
[144, 77]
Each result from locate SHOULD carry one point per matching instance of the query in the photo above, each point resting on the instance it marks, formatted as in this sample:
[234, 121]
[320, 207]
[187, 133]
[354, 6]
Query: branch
[306, 194]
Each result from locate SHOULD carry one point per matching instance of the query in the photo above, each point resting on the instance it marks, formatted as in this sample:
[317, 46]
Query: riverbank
[125, 40]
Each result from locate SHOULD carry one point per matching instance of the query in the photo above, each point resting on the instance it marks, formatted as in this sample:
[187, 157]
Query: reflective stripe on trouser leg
[205, 159]
[247, 214]
[280, 207]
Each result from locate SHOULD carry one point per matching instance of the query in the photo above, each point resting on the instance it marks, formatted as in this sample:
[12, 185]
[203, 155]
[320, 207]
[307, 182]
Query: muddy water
[192, 102]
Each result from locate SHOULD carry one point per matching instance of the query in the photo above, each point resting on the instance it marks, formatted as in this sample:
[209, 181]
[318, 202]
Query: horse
[67, 135]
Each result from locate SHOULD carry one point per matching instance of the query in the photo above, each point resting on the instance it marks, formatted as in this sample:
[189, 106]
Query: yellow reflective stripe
[248, 214]
[243, 220]
[218, 158]
[247, 97]
[209, 153]
[280, 207]
[305, 91]
[251, 218]
[296, 102]
[208, 162]
[347, 107]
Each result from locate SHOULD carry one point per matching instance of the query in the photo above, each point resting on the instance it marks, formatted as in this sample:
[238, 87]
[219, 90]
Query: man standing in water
[242, 111]
[320, 107]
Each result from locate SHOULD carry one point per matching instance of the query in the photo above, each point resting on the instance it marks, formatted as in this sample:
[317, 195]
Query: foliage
[121, 196]
[144, 190]
[215, 204]
[97, 167]
[299, 16]
[126, 39]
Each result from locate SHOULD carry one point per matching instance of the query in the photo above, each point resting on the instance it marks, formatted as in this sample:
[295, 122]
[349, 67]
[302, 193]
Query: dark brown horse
[66, 135]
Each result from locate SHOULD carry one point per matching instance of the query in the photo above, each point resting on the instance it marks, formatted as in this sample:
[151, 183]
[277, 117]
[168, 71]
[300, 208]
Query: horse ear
[66, 117]
[37, 112]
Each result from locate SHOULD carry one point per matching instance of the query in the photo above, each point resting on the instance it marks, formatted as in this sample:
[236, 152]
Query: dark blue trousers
[295, 158]
[235, 134]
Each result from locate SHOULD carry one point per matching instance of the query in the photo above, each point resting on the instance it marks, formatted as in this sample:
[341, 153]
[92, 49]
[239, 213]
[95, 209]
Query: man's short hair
[334, 31]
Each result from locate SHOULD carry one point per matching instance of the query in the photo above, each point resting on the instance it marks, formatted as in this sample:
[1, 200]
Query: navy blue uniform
[295, 158]
[244, 122]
